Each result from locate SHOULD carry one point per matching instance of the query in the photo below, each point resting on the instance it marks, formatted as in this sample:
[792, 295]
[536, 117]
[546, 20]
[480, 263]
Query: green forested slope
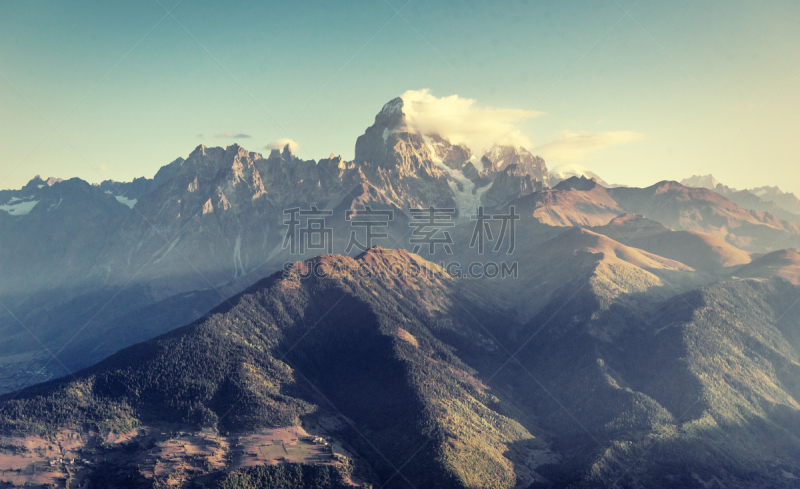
[637, 390]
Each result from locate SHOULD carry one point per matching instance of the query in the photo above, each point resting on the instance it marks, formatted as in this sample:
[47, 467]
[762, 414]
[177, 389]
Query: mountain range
[647, 337]
[768, 199]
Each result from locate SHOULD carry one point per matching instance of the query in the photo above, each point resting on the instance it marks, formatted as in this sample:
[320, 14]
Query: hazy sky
[673, 88]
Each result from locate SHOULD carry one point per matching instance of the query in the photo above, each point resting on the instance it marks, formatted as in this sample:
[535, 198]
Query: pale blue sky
[685, 75]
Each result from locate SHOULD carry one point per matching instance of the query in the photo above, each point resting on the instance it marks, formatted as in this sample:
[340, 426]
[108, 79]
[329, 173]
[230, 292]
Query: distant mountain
[781, 263]
[130, 192]
[501, 157]
[53, 232]
[786, 201]
[701, 181]
[565, 171]
[699, 209]
[699, 250]
[768, 199]
[579, 261]
[573, 202]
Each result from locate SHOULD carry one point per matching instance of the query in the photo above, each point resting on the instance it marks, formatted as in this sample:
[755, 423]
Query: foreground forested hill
[424, 380]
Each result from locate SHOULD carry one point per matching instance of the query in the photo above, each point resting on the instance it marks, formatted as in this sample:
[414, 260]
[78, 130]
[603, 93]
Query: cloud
[281, 143]
[573, 146]
[103, 168]
[200, 136]
[231, 135]
[460, 121]
[570, 169]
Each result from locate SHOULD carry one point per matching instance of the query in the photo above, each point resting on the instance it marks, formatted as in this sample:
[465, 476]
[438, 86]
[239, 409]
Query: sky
[636, 92]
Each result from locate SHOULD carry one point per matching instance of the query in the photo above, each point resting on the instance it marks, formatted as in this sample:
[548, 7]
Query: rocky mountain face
[215, 220]
[503, 156]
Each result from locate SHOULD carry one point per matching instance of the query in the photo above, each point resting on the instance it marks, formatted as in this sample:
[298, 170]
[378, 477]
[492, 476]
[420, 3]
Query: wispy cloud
[103, 168]
[461, 121]
[232, 135]
[279, 144]
[573, 146]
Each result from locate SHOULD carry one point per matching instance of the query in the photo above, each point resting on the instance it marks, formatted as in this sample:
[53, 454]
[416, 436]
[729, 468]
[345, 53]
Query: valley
[158, 456]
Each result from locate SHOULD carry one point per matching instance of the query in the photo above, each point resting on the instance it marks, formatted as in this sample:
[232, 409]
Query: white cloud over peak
[461, 121]
[279, 144]
[570, 169]
[573, 146]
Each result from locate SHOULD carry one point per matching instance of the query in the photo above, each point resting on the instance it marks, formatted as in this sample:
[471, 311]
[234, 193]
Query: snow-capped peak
[568, 170]
[701, 181]
[393, 107]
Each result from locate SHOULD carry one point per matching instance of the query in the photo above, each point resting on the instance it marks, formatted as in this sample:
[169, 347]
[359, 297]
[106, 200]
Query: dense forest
[284, 476]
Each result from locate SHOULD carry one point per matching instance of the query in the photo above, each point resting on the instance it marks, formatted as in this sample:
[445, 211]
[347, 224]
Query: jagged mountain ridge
[214, 224]
[768, 199]
[213, 220]
[393, 168]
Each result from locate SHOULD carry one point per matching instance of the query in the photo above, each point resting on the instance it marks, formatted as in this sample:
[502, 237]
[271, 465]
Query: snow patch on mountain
[477, 163]
[15, 208]
[55, 206]
[237, 258]
[393, 106]
[466, 200]
[124, 200]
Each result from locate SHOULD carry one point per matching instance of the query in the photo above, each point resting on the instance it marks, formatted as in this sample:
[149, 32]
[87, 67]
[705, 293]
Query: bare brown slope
[573, 202]
[579, 260]
[698, 250]
[781, 263]
[699, 209]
